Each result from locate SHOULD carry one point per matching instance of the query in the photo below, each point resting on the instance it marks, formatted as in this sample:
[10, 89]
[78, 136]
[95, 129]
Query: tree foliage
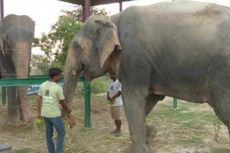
[55, 44]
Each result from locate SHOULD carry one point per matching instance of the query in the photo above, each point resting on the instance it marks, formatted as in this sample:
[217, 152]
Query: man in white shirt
[114, 96]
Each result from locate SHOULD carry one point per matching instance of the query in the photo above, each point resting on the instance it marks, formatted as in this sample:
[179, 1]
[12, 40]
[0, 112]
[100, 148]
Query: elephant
[179, 49]
[16, 35]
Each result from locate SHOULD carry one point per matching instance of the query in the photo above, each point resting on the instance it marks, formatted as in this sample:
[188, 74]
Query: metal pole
[3, 95]
[120, 6]
[174, 103]
[86, 9]
[1, 17]
[1, 9]
[87, 115]
[87, 122]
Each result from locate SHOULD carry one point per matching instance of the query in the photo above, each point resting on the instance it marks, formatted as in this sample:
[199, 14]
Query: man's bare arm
[39, 104]
[65, 107]
[117, 95]
[108, 98]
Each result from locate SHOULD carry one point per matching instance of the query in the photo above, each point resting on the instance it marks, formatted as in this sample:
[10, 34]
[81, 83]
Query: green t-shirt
[51, 94]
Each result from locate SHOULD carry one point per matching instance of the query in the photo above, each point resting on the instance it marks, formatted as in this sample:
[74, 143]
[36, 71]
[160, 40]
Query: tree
[55, 44]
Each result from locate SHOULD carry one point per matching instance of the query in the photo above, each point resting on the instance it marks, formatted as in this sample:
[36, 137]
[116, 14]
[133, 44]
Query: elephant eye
[76, 45]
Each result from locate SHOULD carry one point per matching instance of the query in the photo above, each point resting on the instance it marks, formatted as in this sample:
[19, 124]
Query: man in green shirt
[50, 95]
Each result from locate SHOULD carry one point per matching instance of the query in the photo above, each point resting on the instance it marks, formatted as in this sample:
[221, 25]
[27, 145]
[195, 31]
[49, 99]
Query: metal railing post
[3, 95]
[87, 118]
[87, 96]
[1, 17]
[1, 9]
[174, 103]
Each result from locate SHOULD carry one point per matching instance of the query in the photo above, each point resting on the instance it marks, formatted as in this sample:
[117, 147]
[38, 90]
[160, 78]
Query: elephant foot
[12, 116]
[12, 119]
[27, 116]
[138, 149]
[151, 133]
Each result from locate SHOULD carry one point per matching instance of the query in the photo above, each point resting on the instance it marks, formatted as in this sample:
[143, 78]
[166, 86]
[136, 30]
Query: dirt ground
[191, 128]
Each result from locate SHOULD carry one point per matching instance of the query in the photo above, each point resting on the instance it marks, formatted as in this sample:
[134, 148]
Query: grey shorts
[115, 112]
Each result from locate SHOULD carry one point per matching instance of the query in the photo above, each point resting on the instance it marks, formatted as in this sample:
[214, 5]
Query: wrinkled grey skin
[16, 34]
[179, 49]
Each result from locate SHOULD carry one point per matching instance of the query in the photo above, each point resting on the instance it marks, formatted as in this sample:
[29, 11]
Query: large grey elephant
[16, 35]
[179, 49]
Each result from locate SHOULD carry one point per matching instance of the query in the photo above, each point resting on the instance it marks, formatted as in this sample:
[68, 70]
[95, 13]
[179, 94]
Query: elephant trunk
[22, 66]
[73, 68]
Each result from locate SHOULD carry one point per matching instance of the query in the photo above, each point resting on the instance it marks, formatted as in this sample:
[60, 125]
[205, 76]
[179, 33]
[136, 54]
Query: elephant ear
[107, 41]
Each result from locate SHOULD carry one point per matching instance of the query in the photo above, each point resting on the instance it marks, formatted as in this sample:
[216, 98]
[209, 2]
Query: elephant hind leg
[222, 110]
[151, 101]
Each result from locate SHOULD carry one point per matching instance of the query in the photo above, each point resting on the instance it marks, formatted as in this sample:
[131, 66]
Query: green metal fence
[34, 80]
[39, 79]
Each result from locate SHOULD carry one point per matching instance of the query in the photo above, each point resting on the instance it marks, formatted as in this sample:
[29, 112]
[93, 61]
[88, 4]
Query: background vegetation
[54, 45]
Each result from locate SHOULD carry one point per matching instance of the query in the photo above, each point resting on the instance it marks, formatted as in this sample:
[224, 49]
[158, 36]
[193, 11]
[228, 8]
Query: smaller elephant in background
[16, 35]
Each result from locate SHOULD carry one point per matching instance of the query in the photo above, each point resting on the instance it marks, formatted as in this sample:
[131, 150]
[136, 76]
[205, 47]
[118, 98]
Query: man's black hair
[54, 72]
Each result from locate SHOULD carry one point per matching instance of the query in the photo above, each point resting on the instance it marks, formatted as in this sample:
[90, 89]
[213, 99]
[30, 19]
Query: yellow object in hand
[38, 122]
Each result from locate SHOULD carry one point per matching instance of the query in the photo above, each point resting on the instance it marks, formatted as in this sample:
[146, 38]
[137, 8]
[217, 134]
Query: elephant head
[95, 50]
[16, 35]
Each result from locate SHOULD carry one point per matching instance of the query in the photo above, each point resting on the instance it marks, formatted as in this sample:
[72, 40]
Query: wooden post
[120, 6]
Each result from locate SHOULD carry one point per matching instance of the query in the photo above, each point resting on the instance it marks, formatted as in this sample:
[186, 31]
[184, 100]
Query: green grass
[221, 151]
[100, 85]
[25, 150]
[189, 127]
[184, 125]
[184, 115]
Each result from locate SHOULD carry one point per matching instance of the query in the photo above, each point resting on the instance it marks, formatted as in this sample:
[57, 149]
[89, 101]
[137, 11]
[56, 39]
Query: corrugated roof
[94, 2]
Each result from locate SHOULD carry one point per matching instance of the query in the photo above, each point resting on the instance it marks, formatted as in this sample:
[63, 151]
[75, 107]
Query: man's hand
[113, 98]
[39, 104]
[40, 116]
[108, 98]
[111, 101]
[65, 109]
[71, 120]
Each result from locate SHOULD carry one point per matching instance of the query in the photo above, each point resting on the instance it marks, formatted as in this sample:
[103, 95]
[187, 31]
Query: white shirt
[114, 88]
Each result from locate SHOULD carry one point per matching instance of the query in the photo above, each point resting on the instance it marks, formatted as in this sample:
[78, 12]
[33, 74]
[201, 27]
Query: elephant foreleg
[25, 112]
[134, 104]
[12, 106]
